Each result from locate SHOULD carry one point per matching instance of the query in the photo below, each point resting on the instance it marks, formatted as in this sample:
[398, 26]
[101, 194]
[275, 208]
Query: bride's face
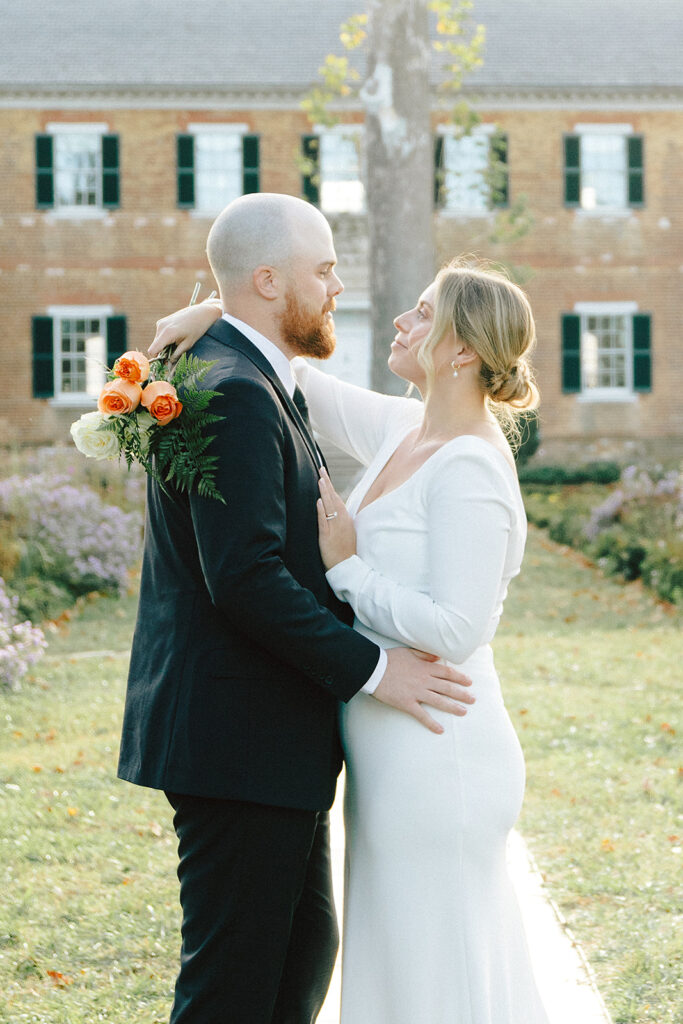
[412, 328]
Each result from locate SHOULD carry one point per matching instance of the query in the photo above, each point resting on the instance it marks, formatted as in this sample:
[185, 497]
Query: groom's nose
[336, 287]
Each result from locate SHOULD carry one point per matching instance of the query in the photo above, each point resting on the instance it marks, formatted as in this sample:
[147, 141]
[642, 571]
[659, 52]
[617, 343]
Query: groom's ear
[267, 282]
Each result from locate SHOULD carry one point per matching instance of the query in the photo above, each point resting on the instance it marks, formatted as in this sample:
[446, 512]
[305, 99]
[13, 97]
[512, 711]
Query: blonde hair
[491, 315]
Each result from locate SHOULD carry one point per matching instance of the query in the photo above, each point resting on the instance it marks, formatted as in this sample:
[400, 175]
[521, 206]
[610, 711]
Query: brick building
[125, 127]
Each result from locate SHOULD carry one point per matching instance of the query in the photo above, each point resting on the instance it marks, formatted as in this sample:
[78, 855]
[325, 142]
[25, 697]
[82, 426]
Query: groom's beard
[308, 334]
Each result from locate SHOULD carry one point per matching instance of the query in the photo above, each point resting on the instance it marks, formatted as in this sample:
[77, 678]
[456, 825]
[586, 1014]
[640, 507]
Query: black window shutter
[250, 164]
[185, 155]
[636, 190]
[45, 181]
[498, 159]
[571, 352]
[110, 171]
[116, 338]
[439, 190]
[310, 181]
[642, 352]
[43, 357]
[572, 170]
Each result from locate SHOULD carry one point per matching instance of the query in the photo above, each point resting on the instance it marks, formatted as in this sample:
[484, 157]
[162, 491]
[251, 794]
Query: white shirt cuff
[377, 676]
[346, 578]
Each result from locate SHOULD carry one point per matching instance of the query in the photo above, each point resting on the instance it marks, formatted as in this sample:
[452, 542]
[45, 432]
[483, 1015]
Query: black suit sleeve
[241, 548]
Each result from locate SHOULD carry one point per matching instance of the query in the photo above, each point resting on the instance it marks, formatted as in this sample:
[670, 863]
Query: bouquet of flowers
[140, 417]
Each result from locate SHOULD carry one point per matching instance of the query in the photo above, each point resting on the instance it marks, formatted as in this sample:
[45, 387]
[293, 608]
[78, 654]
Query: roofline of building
[162, 96]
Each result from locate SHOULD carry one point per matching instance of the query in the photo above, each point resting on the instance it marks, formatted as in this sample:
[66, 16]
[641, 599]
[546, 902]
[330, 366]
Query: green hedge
[558, 476]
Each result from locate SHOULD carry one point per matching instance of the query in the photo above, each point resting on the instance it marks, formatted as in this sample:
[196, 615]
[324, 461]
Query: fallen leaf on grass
[47, 737]
[59, 979]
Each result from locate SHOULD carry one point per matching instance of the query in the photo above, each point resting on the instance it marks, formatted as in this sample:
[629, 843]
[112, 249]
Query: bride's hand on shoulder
[336, 532]
[182, 328]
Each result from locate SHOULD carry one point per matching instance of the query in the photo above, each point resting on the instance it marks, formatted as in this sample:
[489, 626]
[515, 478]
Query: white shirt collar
[275, 356]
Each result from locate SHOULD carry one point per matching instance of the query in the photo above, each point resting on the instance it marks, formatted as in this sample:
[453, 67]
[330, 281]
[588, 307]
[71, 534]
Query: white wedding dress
[432, 931]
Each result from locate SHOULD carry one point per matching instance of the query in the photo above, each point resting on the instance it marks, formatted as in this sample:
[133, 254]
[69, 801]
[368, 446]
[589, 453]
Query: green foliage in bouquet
[174, 452]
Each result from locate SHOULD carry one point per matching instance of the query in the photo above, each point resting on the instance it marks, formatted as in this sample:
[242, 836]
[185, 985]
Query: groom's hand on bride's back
[413, 679]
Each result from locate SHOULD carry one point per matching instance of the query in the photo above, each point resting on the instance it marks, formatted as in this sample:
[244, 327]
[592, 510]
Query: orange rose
[119, 397]
[161, 399]
[132, 366]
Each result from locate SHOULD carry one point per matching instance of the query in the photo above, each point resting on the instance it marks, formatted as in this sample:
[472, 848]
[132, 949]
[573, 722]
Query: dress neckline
[404, 483]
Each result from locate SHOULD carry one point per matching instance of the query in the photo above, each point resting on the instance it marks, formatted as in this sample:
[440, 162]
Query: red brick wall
[144, 257]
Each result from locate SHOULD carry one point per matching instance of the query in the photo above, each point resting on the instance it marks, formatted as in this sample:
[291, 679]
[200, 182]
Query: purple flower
[71, 533]
[21, 643]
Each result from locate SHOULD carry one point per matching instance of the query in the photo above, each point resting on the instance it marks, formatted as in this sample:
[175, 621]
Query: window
[606, 350]
[470, 171]
[72, 348]
[332, 177]
[605, 346]
[77, 169]
[603, 168]
[216, 164]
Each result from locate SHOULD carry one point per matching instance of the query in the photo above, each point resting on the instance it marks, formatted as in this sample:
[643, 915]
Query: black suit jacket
[239, 656]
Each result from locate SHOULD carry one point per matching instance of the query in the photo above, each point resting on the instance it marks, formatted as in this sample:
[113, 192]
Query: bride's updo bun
[515, 386]
[493, 317]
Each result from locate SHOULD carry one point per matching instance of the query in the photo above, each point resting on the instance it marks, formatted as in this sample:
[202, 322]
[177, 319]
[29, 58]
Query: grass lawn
[89, 916]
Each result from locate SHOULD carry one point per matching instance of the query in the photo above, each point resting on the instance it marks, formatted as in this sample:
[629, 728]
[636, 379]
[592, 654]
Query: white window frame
[349, 129]
[57, 128]
[479, 131]
[214, 128]
[59, 313]
[627, 309]
[586, 128]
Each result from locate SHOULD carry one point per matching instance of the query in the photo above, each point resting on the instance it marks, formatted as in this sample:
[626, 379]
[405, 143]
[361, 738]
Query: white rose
[145, 424]
[96, 444]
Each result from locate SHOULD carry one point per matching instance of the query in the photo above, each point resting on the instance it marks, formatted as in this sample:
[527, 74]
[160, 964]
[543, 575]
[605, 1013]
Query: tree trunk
[400, 173]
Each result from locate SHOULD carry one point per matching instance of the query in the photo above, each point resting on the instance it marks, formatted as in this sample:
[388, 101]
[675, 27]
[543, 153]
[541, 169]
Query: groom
[242, 652]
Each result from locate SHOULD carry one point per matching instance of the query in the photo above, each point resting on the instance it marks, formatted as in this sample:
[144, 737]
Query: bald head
[263, 229]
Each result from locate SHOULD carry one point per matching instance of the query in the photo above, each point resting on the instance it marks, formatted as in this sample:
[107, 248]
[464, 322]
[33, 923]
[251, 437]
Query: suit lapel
[228, 335]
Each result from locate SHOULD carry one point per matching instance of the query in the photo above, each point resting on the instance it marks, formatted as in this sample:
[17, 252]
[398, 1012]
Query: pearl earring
[456, 367]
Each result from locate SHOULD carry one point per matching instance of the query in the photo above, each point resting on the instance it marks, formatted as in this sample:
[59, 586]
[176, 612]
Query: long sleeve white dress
[432, 931]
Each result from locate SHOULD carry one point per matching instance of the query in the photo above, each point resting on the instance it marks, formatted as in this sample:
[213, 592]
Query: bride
[424, 551]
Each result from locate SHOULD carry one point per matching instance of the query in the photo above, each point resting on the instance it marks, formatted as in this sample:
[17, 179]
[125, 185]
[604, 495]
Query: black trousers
[259, 931]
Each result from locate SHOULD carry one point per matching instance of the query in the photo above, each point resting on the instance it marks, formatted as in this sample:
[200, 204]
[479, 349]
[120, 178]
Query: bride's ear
[267, 283]
[463, 354]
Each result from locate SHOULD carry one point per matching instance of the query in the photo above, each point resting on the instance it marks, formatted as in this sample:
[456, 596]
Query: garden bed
[631, 528]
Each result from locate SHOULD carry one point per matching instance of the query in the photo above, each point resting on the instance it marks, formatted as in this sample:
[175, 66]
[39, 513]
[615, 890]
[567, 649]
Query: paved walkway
[563, 975]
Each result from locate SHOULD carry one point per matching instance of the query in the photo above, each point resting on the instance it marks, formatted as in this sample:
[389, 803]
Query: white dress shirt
[280, 364]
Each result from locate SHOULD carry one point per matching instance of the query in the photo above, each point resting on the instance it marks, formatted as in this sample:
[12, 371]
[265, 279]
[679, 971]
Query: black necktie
[302, 405]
